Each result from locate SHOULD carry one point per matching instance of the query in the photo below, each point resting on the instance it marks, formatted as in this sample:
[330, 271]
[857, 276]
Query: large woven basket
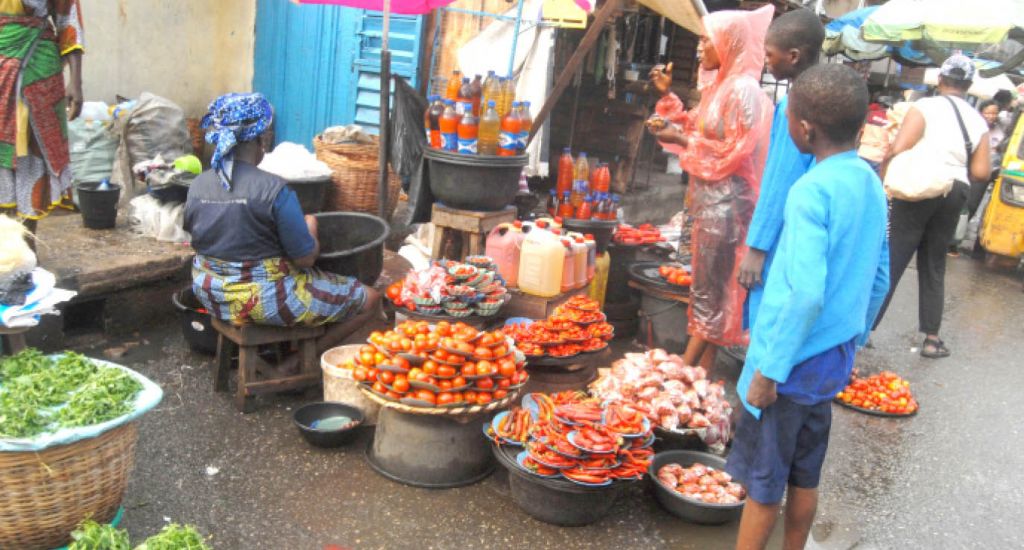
[355, 175]
[44, 495]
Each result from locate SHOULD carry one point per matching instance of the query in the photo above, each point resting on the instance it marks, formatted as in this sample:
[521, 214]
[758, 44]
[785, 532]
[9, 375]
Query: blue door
[320, 65]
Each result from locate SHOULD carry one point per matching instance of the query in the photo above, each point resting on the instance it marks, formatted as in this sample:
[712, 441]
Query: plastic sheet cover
[407, 141]
[728, 141]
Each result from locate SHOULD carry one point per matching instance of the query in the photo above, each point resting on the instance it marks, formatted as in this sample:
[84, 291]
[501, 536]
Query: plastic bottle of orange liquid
[490, 128]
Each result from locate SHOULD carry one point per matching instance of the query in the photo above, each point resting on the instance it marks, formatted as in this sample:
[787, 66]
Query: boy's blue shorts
[785, 447]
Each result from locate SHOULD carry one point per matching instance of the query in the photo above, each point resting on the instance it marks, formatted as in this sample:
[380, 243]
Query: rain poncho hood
[727, 141]
[732, 98]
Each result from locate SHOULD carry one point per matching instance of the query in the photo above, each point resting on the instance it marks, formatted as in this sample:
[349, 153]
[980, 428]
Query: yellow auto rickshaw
[1002, 227]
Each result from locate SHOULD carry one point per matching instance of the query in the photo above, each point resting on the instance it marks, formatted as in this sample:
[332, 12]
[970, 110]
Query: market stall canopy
[686, 14]
[945, 21]
[404, 7]
[843, 37]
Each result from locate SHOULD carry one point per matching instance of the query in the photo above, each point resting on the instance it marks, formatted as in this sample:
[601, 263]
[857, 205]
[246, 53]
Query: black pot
[306, 415]
[602, 230]
[686, 508]
[352, 244]
[311, 193]
[557, 501]
[474, 182]
[98, 206]
[196, 326]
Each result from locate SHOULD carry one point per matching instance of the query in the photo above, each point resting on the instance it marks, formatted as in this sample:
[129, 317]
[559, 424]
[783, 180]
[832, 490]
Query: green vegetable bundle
[40, 393]
[92, 536]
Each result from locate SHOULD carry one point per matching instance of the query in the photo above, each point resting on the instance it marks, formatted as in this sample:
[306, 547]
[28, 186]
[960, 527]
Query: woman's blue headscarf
[233, 119]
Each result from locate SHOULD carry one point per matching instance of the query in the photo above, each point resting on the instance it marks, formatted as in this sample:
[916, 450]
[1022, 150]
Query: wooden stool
[472, 226]
[12, 340]
[257, 376]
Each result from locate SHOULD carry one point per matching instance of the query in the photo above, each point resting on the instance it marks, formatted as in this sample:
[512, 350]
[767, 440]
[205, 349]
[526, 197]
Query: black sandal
[934, 348]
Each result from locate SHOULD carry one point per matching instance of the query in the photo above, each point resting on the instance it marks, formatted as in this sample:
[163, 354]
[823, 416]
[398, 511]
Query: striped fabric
[274, 292]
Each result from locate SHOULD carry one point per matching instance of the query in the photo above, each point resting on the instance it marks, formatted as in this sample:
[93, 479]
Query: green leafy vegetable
[39, 393]
[106, 395]
[29, 361]
[175, 537]
[93, 536]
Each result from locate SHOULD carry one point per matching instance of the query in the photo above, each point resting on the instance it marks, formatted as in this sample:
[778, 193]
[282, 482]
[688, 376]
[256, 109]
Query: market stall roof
[686, 14]
[945, 21]
[843, 36]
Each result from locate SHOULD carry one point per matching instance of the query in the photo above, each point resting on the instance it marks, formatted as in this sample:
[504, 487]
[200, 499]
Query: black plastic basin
[311, 192]
[307, 415]
[352, 244]
[474, 182]
[687, 508]
[195, 321]
[558, 501]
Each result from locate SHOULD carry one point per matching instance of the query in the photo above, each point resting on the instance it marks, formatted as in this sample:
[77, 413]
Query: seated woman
[254, 250]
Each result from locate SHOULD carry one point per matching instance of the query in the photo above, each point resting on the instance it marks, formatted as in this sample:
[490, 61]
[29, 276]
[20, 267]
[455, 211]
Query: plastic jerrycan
[599, 285]
[503, 246]
[540, 262]
[579, 249]
[591, 255]
[569, 266]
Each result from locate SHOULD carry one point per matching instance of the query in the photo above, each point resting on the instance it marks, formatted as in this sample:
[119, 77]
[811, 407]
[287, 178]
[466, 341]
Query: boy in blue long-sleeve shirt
[792, 46]
[826, 284]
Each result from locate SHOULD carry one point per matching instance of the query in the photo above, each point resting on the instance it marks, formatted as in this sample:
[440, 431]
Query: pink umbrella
[404, 7]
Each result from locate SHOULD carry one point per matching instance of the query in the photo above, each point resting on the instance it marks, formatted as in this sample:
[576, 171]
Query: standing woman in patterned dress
[36, 38]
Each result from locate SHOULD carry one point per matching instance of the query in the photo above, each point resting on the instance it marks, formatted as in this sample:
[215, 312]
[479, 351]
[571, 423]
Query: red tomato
[386, 377]
[401, 384]
[485, 383]
[483, 398]
[506, 369]
[445, 398]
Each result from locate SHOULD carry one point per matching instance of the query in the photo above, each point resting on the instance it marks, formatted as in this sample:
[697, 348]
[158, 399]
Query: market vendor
[722, 145]
[38, 38]
[254, 249]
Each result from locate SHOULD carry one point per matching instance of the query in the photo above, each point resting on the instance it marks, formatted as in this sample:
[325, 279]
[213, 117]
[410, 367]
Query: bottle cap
[589, 236]
[567, 150]
[579, 240]
[583, 154]
[541, 224]
[527, 103]
[490, 103]
[516, 223]
[565, 194]
[558, 220]
[465, 80]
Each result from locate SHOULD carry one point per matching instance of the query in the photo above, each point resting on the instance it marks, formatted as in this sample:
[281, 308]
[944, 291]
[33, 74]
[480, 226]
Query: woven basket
[44, 495]
[356, 177]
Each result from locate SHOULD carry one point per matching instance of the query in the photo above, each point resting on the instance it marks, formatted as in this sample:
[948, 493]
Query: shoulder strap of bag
[968, 146]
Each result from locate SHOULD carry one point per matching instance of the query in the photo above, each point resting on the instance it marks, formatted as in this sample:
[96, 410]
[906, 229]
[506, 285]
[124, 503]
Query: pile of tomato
[575, 327]
[444, 365]
[675, 275]
[577, 438]
[885, 392]
[644, 234]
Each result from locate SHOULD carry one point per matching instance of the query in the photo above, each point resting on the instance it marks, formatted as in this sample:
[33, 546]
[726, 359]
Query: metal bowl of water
[328, 424]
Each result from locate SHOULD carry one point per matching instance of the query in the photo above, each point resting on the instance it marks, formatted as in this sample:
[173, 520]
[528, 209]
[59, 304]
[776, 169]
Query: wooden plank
[609, 9]
[470, 221]
[534, 307]
[256, 335]
[283, 384]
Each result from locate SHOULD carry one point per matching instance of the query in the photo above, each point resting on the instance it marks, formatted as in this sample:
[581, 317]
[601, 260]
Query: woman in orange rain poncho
[722, 145]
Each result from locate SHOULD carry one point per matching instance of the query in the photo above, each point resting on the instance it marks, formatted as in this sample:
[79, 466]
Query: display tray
[564, 362]
[469, 319]
[646, 273]
[508, 456]
[873, 412]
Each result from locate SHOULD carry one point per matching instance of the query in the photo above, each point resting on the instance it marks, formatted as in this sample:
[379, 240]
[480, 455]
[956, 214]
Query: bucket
[431, 451]
[196, 326]
[98, 206]
[340, 387]
[662, 323]
[352, 244]
[474, 182]
[311, 192]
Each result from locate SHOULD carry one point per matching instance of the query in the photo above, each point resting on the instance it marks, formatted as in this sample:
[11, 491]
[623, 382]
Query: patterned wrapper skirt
[274, 292]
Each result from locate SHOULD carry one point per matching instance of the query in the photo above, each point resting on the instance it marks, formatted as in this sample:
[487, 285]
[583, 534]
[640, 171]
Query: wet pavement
[951, 477]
